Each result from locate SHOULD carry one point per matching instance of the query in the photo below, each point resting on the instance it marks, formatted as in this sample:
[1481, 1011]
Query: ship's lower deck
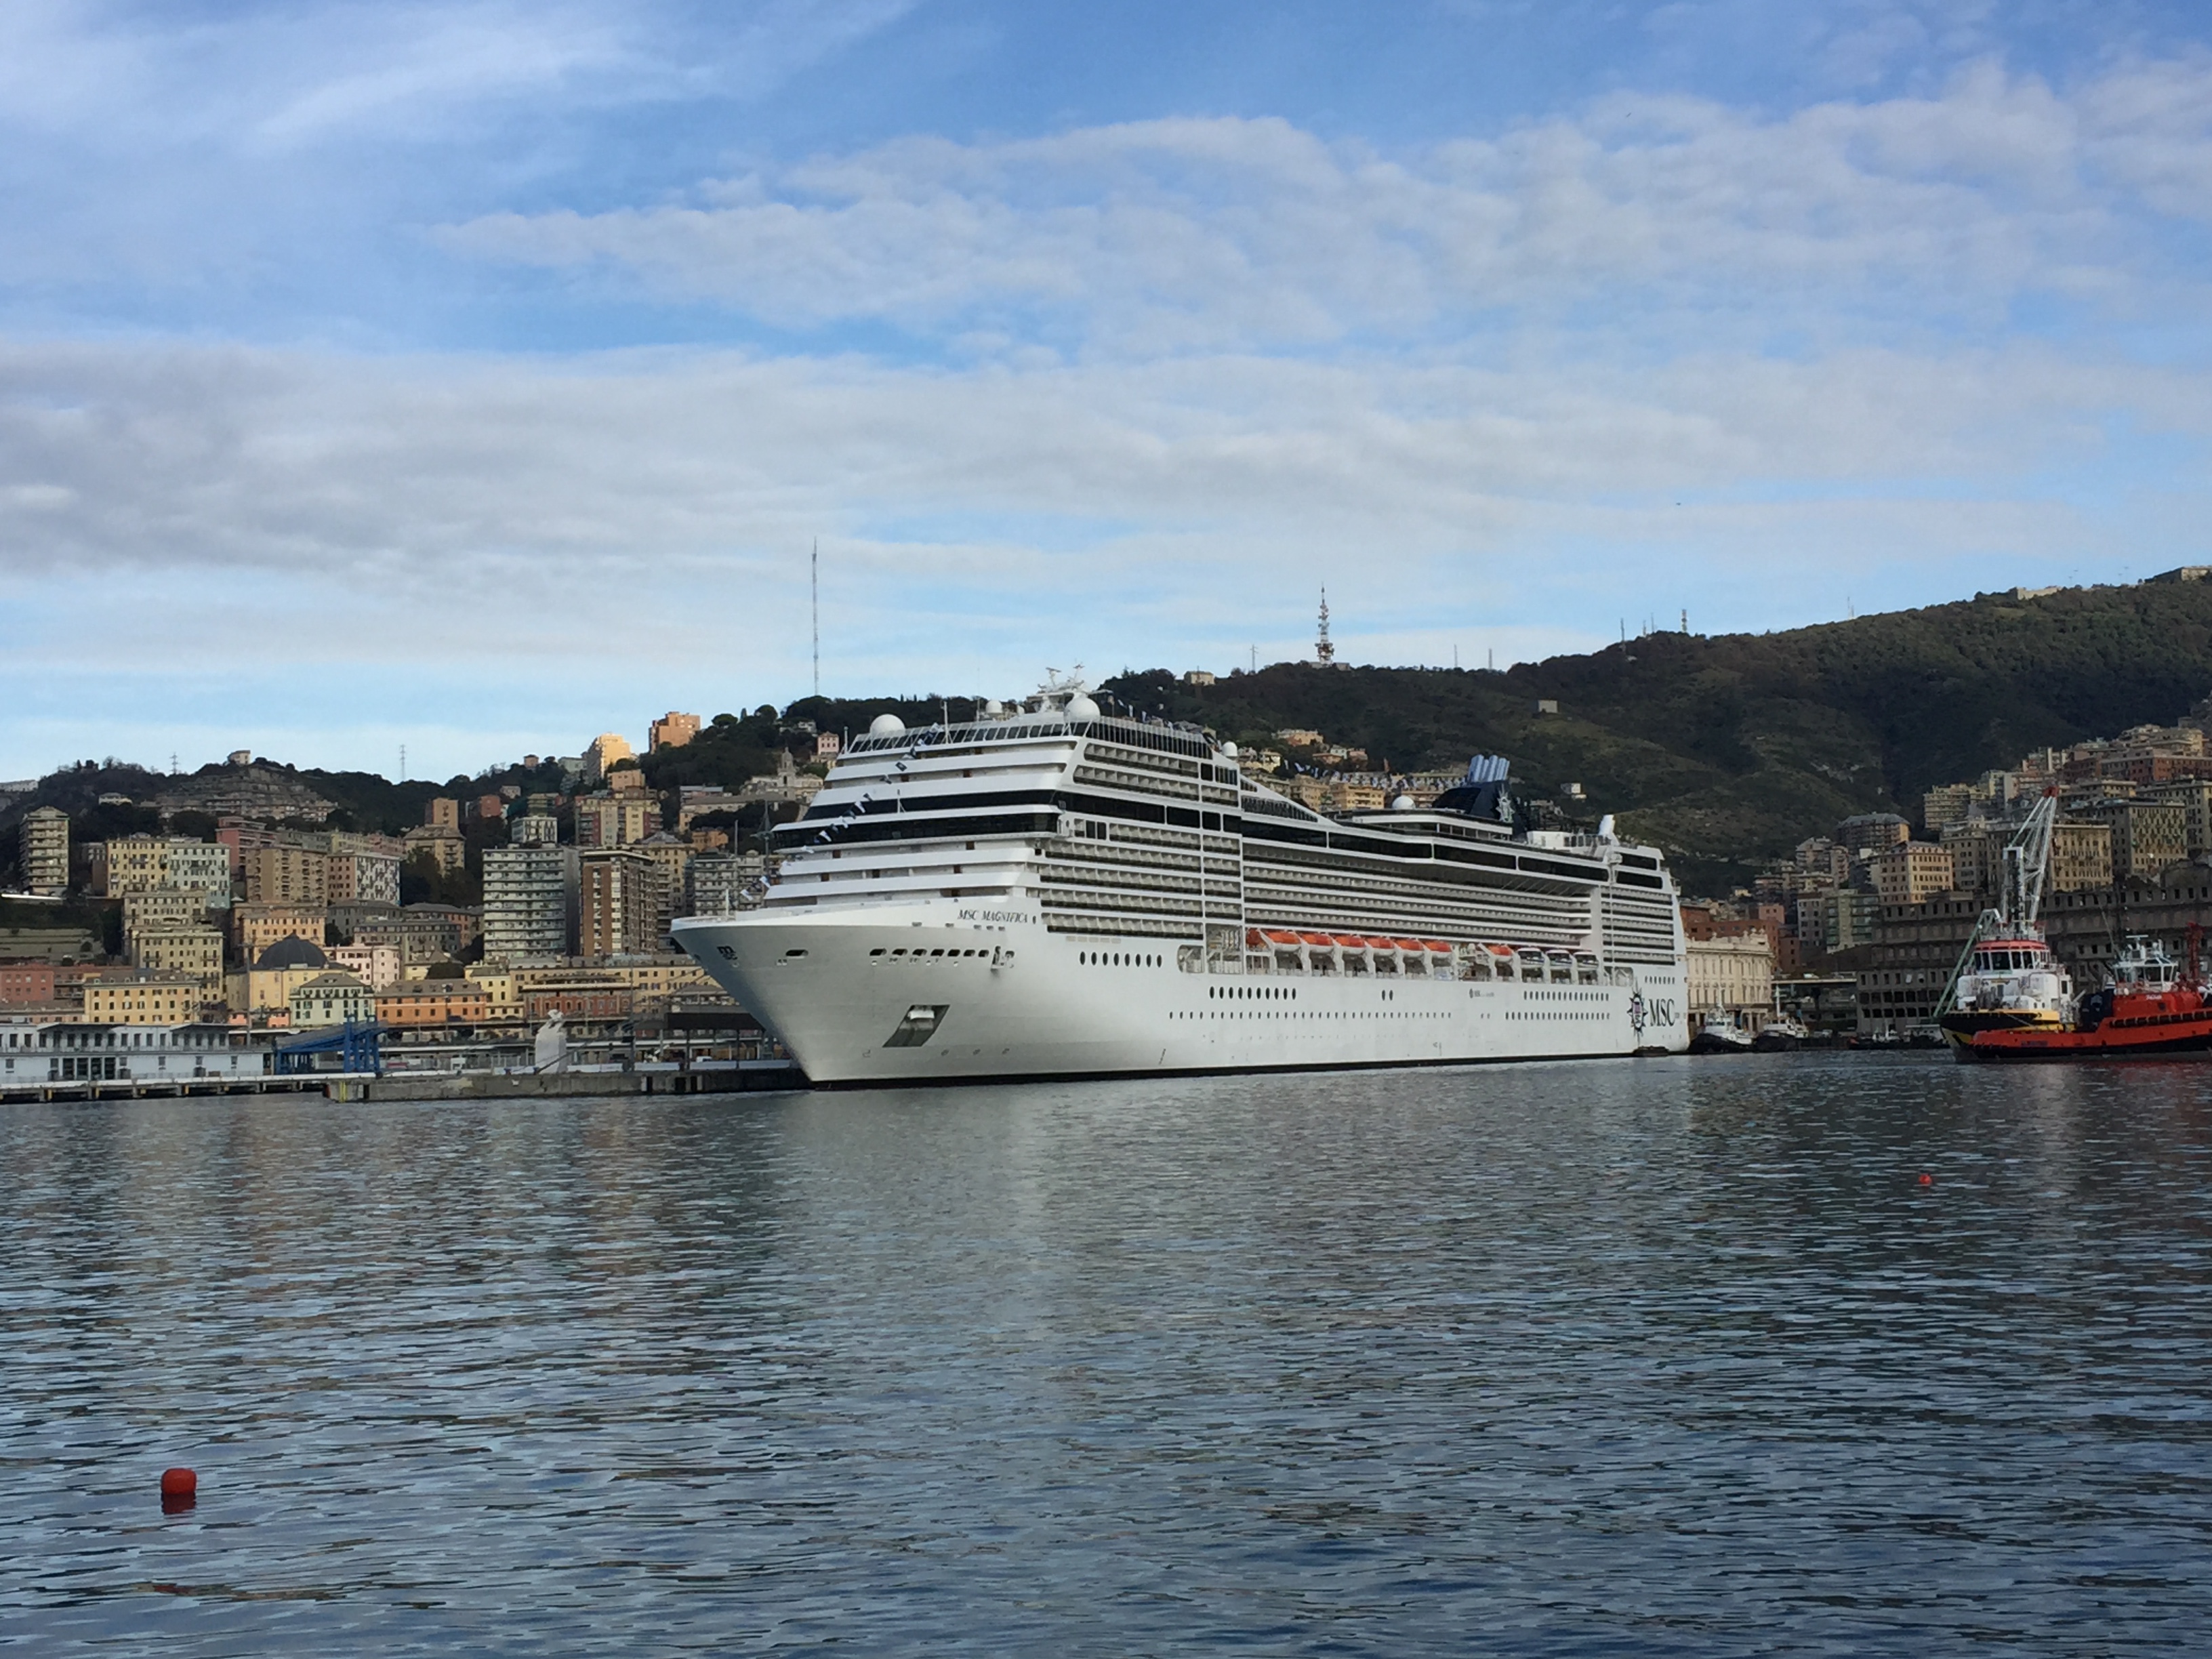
[914, 993]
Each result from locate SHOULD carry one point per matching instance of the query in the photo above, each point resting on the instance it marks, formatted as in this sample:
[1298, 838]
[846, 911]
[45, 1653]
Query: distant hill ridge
[1729, 750]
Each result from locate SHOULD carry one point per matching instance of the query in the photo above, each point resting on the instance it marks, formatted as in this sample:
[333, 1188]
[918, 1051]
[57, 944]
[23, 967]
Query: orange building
[419, 1002]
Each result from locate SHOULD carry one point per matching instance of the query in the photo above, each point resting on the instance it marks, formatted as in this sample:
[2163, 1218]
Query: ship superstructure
[1049, 889]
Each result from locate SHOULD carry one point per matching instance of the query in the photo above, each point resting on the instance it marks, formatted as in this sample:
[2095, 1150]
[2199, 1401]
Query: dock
[743, 1077]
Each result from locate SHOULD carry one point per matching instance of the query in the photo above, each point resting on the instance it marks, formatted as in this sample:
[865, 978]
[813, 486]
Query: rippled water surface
[1647, 1357]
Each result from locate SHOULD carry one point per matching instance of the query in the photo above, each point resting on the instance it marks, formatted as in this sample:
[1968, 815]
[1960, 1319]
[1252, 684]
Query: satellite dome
[1229, 751]
[1080, 708]
[993, 707]
[885, 725]
[1403, 804]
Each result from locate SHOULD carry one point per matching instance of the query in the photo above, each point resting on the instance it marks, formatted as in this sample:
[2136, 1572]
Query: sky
[475, 378]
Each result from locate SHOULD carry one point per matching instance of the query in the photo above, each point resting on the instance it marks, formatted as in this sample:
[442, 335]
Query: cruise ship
[1050, 890]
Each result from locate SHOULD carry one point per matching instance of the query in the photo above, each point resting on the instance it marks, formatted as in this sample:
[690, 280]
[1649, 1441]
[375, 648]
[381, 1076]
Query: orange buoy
[179, 1487]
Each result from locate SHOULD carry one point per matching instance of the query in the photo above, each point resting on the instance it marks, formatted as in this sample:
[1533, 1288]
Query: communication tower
[1324, 652]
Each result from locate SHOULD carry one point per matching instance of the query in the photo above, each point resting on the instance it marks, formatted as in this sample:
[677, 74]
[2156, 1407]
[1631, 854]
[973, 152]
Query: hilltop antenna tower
[1324, 652]
[403, 762]
[814, 586]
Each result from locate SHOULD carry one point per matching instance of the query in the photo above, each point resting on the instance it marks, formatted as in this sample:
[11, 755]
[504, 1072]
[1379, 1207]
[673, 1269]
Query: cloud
[1192, 234]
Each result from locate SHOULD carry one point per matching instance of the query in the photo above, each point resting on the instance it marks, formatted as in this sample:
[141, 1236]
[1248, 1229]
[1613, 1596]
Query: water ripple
[1652, 1359]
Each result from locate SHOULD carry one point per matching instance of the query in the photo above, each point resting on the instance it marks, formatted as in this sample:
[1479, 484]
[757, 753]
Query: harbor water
[1790, 1353]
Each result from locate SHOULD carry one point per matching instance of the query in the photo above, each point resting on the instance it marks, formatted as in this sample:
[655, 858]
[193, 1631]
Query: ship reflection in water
[1632, 1356]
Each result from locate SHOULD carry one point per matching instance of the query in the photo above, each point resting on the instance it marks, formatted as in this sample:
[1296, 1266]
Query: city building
[788, 783]
[422, 933]
[266, 985]
[2194, 797]
[376, 966]
[1941, 808]
[1869, 832]
[828, 746]
[672, 857]
[671, 730]
[255, 928]
[442, 813]
[534, 829]
[363, 869]
[142, 996]
[287, 873]
[530, 897]
[2146, 835]
[697, 800]
[1732, 975]
[715, 883]
[441, 843]
[196, 951]
[162, 907]
[134, 864]
[1833, 919]
[615, 819]
[619, 903]
[204, 866]
[47, 1050]
[602, 752]
[1908, 871]
[331, 999]
[2081, 856]
[413, 1004]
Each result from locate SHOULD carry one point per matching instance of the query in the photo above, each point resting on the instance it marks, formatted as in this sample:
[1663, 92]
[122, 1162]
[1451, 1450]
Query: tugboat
[1721, 1034]
[1779, 1036]
[2151, 1006]
[2006, 978]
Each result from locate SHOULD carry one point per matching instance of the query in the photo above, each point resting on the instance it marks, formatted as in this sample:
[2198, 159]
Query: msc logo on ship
[1659, 1011]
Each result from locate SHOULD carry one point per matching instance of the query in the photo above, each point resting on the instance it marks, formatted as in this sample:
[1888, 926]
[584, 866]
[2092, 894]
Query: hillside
[1727, 750]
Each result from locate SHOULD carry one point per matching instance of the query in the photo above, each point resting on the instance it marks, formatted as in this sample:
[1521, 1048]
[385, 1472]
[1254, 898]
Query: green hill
[1728, 751]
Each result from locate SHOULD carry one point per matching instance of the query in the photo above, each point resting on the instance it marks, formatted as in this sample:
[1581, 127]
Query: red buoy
[179, 1487]
[1927, 1180]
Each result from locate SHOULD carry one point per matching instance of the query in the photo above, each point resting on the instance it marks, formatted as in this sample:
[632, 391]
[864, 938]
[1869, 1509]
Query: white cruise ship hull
[1011, 999]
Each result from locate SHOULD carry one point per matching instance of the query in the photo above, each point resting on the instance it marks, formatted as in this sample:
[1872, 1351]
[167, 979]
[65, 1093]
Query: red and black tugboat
[2152, 1007]
[2010, 999]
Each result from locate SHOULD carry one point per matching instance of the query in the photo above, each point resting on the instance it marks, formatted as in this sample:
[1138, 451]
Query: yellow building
[1731, 976]
[603, 752]
[502, 1000]
[442, 843]
[196, 951]
[1912, 871]
[649, 979]
[2146, 835]
[255, 928]
[136, 864]
[144, 997]
[2194, 798]
[162, 907]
